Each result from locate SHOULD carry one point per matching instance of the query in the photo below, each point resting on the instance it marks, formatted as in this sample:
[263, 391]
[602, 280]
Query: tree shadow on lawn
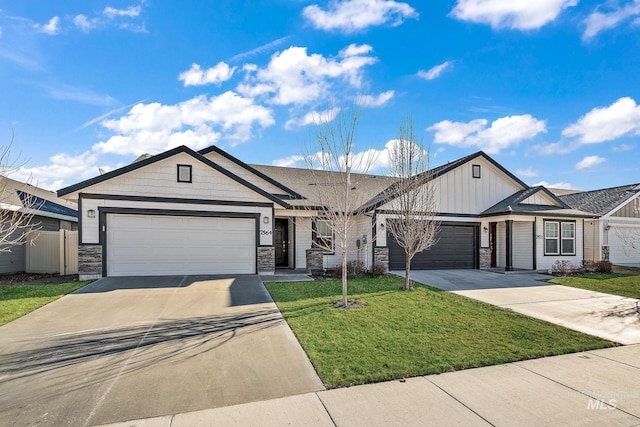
[74, 361]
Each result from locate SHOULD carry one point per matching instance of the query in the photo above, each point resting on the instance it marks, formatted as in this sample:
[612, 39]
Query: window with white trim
[559, 238]
[324, 237]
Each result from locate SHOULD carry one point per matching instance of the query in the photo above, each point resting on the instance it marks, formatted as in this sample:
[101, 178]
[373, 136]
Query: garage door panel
[456, 248]
[152, 245]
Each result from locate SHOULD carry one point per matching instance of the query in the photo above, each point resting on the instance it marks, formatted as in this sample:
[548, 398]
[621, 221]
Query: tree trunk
[407, 272]
[344, 278]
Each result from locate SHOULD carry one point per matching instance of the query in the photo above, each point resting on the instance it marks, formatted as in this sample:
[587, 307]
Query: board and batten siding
[458, 192]
[592, 239]
[539, 198]
[523, 245]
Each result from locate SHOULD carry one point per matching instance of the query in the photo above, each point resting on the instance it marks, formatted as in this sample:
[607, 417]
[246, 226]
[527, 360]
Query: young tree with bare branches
[412, 199]
[16, 211]
[337, 203]
[630, 239]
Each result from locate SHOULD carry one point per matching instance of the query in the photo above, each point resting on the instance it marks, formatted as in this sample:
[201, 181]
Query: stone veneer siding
[89, 262]
[381, 257]
[315, 261]
[485, 258]
[266, 260]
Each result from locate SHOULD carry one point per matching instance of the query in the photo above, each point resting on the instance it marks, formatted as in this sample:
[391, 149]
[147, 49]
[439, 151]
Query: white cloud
[130, 12]
[85, 24]
[63, 168]
[295, 77]
[260, 49]
[289, 162]
[553, 148]
[607, 123]
[84, 96]
[51, 28]
[527, 173]
[217, 74]
[623, 147]
[589, 162]
[598, 21]
[515, 14]
[502, 133]
[197, 122]
[350, 16]
[313, 117]
[375, 101]
[434, 72]
[560, 185]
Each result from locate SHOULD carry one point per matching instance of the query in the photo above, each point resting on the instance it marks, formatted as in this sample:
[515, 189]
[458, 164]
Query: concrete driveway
[607, 316]
[129, 348]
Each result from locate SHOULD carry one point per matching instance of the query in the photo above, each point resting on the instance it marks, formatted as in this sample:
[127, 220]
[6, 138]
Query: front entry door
[280, 242]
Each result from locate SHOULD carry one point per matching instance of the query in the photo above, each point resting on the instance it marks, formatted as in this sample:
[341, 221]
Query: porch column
[509, 245]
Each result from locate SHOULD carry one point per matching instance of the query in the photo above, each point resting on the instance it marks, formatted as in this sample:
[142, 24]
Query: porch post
[509, 245]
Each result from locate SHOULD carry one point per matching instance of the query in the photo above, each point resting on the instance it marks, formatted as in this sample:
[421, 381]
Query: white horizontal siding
[160, 180]
[545, 262]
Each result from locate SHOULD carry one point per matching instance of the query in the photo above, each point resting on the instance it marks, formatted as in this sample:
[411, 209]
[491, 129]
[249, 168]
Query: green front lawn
[410, 333]
[617, 284]
[16, 301]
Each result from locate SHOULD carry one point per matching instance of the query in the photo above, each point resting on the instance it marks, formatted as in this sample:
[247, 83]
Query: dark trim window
[475, 171]
[324, 237]
[184, 173]
[559, 238]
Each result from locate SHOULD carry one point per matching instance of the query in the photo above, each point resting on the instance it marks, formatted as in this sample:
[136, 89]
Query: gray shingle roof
[600, 202]
[303, 182]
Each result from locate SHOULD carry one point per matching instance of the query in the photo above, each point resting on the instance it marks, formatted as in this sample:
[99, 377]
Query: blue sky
[549, 88]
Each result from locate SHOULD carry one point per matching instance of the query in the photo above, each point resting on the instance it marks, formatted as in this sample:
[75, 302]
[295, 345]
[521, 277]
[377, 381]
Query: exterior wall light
[265, 220]
[91, 213]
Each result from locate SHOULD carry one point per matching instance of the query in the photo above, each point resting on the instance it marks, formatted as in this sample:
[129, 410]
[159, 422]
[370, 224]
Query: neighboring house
[615, 215]
[49, 213]
[207, 212]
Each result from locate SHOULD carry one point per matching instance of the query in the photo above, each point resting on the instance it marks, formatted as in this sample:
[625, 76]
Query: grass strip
[409, 333]
[16, 301]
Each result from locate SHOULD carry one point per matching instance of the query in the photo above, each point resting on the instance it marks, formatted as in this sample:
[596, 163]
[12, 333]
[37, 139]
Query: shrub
[377, 270]
[597, 266]
[589, 266]
[604, 267]
[354, 269]
[562, 268]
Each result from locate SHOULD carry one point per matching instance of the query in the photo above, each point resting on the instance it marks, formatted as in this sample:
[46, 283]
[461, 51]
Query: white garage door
[620, 241]
[150, 245]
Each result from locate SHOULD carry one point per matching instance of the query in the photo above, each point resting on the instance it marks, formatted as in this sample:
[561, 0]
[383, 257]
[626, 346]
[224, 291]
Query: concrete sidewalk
[607, 316]
[590, 388]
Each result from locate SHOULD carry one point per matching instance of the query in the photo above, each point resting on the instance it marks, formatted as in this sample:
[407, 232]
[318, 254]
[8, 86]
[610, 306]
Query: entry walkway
[611, 317]
[589, 388]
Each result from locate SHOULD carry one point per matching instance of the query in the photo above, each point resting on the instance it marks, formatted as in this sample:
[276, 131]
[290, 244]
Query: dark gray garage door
[456, 248]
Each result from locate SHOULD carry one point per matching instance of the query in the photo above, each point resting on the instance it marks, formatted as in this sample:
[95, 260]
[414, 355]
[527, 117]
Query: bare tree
[17, 226]
[412, 198]
[337, 203]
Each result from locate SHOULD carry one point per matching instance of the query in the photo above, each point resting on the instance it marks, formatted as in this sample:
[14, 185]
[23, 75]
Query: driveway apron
[129, 348]
[611, 317]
